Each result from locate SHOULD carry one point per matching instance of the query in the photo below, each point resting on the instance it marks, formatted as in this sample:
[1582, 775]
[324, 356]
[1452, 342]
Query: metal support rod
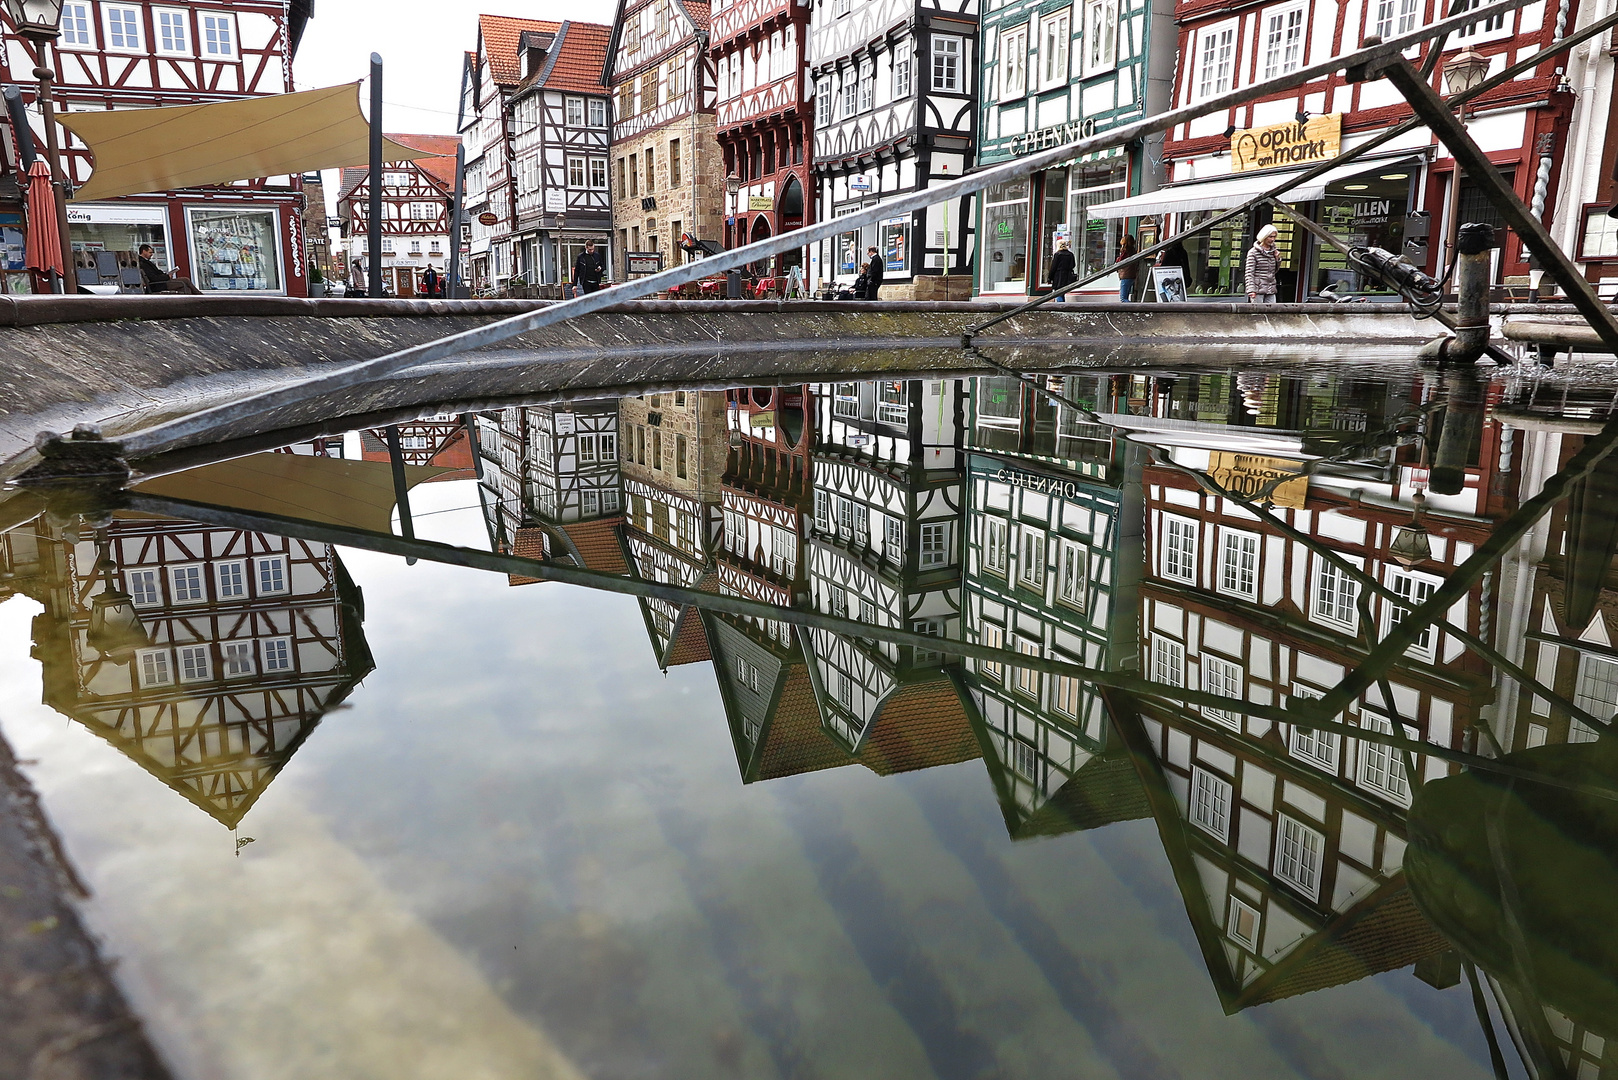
[401, 488]
[373, 227]
[1274, 194]
[202, 423]
[364, 539]
[457, 209]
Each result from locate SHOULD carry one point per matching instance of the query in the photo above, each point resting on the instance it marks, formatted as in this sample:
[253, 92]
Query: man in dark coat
[873, 274]
[155, 278]
[430, 281]
[1064, 268]
[589, 268]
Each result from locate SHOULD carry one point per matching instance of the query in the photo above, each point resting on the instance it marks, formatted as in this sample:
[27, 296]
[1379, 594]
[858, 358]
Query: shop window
[235, 249]
[1013, 63]
[1005, 220]
[1101, 36]
[1216, 58]
[1095, 240]
[95, 242]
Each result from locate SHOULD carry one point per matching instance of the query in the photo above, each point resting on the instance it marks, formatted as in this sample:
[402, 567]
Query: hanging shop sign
[489, 217]
[859, 182]
[1279, 145]
[760, 202]
[1250, 475]
[1055, 135]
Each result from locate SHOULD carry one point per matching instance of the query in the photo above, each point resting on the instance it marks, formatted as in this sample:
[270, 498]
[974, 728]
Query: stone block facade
[681, 432]
[667, 181]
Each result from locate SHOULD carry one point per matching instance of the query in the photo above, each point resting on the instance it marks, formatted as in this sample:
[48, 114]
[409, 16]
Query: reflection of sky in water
[525, 852]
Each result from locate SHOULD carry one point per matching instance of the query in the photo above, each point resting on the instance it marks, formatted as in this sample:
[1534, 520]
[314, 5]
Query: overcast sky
[421, 44]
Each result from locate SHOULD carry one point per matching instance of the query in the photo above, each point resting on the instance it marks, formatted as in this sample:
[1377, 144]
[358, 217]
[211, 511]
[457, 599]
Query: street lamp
[1411, 544]
[40, 21]
[733, 185]
[1465, 71]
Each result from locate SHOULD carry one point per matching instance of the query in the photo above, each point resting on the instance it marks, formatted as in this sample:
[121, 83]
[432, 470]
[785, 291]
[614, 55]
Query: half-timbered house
[760, 50]
[1050, 75]
[560, 127]
[131, 54]
[1223, 159]
[416, 199]
[491, 74]
[667, 200]
[438, 441]
[1052, 543]
[895, 91]
[245, 641]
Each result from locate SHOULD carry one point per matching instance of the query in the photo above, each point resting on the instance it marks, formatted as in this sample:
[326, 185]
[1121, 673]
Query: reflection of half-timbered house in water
[675, 451]
[436, 440]
[1052, 540]
[551, 487]
[245, 641]
[884, 546]
[765, 496]
[1289, 841]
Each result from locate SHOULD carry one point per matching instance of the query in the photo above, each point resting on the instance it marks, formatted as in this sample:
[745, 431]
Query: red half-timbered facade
[1226, 44]
[760, 51]
[132, 54]
[415, 215]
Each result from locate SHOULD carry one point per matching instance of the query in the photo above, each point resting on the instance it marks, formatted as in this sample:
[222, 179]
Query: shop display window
[106, 248]
[235, 249]
[1362, 211]
[1096, 243]
[1005, 230]
[1215, 254]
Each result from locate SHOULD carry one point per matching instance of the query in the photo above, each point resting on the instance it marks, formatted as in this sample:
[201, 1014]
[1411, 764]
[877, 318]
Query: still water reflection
[1000, 774]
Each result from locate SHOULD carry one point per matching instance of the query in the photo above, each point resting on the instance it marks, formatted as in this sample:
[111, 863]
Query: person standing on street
[1263, 264]
[1064, 268]
[1127, 274]
[430, 282]
[873, 275]
[589, 268]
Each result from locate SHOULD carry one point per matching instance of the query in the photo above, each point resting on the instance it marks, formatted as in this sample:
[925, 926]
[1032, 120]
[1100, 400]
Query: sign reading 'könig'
[1291, 144]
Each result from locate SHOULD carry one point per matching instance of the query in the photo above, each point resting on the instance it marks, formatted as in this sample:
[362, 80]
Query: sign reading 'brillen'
[1287, 145]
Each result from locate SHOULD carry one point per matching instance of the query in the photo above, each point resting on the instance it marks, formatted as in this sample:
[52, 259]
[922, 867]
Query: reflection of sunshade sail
[333, 491]
[139, 150]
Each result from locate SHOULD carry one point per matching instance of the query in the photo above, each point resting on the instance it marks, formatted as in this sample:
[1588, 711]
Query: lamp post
[1411, 545]
[561, 277]
[1463, 72]
[40, 22]
[115, 631]
[733, 185]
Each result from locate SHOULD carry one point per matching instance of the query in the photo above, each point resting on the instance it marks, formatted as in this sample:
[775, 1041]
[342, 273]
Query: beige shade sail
[140, 150]
[333, 491]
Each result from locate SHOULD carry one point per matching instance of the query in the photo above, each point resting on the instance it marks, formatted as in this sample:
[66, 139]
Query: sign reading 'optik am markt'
[1291, 144]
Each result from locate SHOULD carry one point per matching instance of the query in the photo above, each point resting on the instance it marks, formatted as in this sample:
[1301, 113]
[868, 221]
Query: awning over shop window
[140, 150]
[1227, 192]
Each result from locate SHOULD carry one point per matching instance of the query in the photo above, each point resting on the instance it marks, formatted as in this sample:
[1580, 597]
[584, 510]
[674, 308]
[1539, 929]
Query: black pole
[457, 209]
[401, 489]
[374, 226]
[19, 123]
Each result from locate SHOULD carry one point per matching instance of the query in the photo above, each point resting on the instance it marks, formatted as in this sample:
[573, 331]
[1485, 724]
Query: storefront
[107, 238]
[1023, 219]
[235, 248]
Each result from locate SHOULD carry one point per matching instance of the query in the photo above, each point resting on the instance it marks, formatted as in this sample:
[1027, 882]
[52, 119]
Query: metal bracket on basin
[82, 458]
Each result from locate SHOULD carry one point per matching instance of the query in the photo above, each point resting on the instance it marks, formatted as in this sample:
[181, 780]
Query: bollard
[1472, 246]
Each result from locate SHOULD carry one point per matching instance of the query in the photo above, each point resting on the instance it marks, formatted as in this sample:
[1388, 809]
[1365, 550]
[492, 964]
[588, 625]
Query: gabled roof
[440, 167]
[919, 726]
[697, 11]
[502, 39]
[577, 59]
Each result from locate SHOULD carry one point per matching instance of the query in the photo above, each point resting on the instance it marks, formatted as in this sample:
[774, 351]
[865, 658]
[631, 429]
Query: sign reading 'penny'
[1291, 144]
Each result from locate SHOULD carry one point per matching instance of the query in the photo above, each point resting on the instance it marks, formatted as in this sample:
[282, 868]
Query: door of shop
[404, 281]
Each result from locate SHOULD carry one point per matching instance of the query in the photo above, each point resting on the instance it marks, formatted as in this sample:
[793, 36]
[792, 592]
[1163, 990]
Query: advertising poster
[895, 236]
[1170, 282]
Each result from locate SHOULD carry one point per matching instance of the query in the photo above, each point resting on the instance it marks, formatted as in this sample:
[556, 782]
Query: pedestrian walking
[588, 269]
[1064, 268]
[1127, 274]
[430, 282]
[1263, 264]
[872, 276]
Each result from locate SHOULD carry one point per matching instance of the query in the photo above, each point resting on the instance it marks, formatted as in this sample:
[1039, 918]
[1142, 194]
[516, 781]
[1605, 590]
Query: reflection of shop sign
[1055, 135]
[1248, 474]
[1044, 485]
[760, 202]
[1318, 139]
[763, 419]
[565, 423]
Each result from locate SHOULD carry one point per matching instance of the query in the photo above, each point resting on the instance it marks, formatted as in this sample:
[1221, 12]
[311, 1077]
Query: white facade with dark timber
[895, 86]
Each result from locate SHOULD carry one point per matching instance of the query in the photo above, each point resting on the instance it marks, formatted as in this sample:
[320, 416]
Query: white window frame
[1031, 556]
[1072, 574]
[267, 646]
[1012, 62]
[1223, 677]
[569, 104]
[258, 575]
[1296, 844]
[1319, 748]
[1494, 28]
[1285, 33]
[1216, 59]
[1585, 689]
[1327, 611]
[934, 544]
[1416, 588]
[1232, 581]
[200, 658]
[1100, 37]
[151, 575]
[108, 11]
[1382, 767]
[1239, 907]
[78, 26]
[1179, 547]
[180, 20]
[598, 174]
[596, 113]
[1392, 18]
[947, 64]
[996, 537]
[189, 569]
[1055, 45]
[1026, 679]
[1066, 695]
[154, 667]
[227, 22]
[993, 636]
[221, 585]
[582, 177]
[825, 101]
[1211, 799]
[851, 95]
[903, 70]
[234, 653]
[1168, 661]
[867, 84]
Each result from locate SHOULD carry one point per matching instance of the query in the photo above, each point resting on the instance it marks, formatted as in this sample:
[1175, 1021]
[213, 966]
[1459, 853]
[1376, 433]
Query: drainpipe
[1472, 247]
